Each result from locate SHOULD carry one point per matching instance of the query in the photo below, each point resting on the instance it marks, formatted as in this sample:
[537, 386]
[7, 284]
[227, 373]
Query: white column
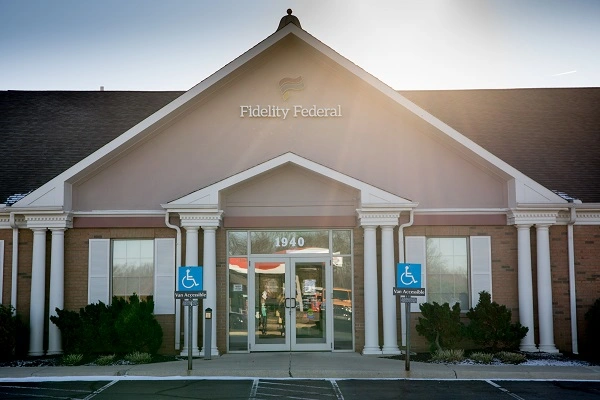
[544, 286]
[210, 283]
[38, 293]
[371, 292]
[191, 258]
[57, 288]
[390, 327]
[525, 285]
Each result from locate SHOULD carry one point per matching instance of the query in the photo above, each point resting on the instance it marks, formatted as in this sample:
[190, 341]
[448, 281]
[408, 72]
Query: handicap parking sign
[190, 279]
[408, 275]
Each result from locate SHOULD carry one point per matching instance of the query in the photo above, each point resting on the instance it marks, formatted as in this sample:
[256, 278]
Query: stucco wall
[376, 141]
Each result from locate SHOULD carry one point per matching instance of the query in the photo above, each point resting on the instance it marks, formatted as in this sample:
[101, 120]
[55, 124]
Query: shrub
[121, 327]
[72, 359]
[8, 332]
[592, 332]
[136, 327]
[440, 325]
[491, 327]
[90, 331]
[510, 357]
[450, 355]
[482, 358]
[105, 360]
[137, 357]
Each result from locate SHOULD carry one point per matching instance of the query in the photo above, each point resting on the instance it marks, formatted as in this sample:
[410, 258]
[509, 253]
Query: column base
[370, 351]
[391, 350]
[195, 353]
[213, 353]
[529, 348]
[547, 348]
[54, 352]
[36, 353]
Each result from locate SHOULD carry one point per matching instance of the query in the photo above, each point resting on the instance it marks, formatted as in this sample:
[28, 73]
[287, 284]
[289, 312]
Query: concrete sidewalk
[306, 365]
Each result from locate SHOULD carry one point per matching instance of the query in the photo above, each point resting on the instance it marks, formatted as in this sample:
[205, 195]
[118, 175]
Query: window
[132, 267]
[448, 271]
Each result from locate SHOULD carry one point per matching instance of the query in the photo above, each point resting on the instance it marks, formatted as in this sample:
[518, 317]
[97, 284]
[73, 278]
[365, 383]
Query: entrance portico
[207, 210]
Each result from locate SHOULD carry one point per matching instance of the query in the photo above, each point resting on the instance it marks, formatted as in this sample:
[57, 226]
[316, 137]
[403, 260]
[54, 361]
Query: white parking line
[253, 390]
[336, 389]
[103, 388]
[508, 392]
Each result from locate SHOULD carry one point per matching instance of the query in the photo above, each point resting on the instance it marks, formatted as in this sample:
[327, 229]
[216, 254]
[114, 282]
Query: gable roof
[551, 135]
[44, 133]
[52, 192]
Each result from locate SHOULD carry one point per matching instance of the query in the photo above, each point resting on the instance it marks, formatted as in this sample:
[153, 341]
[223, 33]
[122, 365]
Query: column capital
[523, 226]
[532, 216]
[378, 217]
[201, 218]
[49, 220]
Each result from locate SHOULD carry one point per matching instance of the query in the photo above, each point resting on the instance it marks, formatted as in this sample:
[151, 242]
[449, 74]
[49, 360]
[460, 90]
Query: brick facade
[504, 275]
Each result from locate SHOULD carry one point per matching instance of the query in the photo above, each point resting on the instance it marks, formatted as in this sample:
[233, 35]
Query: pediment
[303, 181]
[384, 149]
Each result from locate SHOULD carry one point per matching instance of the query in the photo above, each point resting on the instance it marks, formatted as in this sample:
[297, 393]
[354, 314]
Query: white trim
[119, 213]
[208, 197]
[461, 211]
[54, 192]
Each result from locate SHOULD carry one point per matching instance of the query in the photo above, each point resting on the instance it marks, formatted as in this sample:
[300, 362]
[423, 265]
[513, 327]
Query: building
[298, 181]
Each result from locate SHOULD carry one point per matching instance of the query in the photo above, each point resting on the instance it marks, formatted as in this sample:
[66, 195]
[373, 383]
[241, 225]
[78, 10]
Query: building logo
[286, 85]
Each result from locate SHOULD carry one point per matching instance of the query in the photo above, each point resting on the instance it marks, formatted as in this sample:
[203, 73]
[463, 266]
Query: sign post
[408, 283]
[189, 289]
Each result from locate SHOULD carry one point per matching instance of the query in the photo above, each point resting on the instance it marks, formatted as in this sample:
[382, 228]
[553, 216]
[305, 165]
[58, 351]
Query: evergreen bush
[121, 327]
[136, 327]
[592, 332]
[491, 327]
[440, 325]
[8, 332]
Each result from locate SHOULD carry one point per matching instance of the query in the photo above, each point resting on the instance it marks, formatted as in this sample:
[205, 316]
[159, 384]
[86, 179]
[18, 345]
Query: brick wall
[504, 272]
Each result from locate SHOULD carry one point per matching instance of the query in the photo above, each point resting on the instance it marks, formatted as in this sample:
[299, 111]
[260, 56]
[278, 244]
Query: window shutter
[416, 253]
[481, 267]
[99, 271]
[164, 276]
[1, 269]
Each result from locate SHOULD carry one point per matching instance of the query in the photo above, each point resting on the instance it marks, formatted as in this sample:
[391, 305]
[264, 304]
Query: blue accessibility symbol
[190, 279]
[408, 275]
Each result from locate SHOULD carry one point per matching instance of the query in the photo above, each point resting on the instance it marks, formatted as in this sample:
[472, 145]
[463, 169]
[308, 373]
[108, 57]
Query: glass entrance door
[292, 304]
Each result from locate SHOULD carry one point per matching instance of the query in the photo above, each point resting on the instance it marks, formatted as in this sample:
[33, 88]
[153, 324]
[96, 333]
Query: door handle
[288, 302]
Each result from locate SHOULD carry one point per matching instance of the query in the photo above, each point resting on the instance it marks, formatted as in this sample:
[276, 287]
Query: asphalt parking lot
[307, 389]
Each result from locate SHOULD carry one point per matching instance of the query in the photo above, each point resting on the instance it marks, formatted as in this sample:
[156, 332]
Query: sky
[407, 44]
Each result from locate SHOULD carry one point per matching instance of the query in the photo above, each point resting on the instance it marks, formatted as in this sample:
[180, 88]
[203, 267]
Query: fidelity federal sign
[259, 111]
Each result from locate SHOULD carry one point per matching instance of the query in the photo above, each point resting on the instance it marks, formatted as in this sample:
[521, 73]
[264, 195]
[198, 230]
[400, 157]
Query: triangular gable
[208, 197]
[56, 193]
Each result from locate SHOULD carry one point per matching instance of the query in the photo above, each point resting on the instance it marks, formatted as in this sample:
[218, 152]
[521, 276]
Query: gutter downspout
[178, 264]
[401, 260]
[15, 262]
[572, 296]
